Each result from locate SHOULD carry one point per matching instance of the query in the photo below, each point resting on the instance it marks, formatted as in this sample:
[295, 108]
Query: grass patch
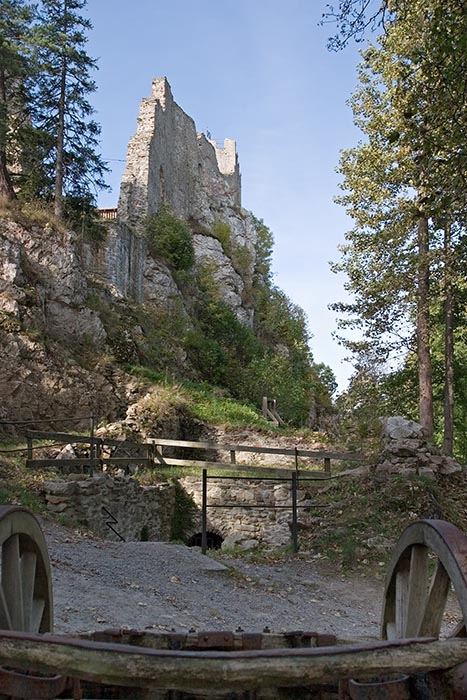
[36, 213]
[359, 520]
[203, 401]
[18, 485]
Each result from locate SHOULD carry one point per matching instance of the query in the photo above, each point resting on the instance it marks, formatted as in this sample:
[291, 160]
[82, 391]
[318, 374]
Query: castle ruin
[168, 161]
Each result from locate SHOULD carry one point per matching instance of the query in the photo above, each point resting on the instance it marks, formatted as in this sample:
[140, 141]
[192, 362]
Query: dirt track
[163, 586]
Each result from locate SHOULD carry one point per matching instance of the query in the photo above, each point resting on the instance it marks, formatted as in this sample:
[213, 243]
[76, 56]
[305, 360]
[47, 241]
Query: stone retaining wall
[248, 527]
[142, 512]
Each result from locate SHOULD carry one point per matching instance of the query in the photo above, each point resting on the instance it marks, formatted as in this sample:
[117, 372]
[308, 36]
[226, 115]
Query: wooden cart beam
[184, 670]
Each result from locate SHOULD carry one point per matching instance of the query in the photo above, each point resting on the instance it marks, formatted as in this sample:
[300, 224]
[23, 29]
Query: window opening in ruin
[214, 540]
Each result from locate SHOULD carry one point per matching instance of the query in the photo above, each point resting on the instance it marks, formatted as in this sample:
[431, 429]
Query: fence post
[159, 450]
[91, 447]
[233, 459]
[296, 458]
[29, 442]
[294, 513]
[99, 452]
[204, 513]
[151, 455]
[327, 465]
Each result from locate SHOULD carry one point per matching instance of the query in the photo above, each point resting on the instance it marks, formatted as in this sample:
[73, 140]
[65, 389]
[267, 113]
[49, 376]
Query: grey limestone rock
[398, 427]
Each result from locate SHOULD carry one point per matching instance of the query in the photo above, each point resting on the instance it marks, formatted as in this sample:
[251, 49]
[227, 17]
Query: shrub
[163, 402]
[184, 514]
[170, 238]
[242, 259]
[82, 216]
[221, 230]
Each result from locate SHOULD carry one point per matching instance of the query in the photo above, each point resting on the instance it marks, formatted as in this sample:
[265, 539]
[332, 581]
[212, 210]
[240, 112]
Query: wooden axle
[117, 664]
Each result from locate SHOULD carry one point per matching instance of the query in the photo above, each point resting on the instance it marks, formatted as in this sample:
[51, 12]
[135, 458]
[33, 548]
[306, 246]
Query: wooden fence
[151, 454]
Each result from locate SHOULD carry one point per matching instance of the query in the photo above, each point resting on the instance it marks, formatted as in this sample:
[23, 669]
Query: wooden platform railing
[108, 214]
[151, 454]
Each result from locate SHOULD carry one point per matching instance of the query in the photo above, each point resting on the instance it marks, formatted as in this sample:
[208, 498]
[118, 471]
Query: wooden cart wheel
[416, 593]
[26, 580]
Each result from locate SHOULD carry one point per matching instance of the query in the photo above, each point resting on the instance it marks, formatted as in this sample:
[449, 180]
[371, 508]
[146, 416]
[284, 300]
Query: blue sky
[257, 71]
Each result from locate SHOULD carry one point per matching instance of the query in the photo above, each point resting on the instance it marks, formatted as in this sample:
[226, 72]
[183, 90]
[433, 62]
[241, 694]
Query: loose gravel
[159, 586]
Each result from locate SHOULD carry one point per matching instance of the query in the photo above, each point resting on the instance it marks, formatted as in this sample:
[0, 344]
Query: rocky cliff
[78, 312]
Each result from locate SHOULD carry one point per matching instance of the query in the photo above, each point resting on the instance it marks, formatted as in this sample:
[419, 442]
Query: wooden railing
[108, 214]
[153, 455]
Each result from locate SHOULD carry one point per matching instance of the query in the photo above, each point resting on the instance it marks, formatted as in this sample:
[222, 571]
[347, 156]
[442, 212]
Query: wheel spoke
[38, 606]
[402, 585]
[430, 624]
[5, 620]
[11, 581]
[417, 589]
[28, 577]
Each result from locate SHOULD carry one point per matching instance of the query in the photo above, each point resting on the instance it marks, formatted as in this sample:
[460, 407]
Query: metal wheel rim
[26, 602]
[405, 587]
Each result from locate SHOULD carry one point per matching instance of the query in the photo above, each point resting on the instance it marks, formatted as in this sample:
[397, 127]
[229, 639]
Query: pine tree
[15, 20]
[73, 164]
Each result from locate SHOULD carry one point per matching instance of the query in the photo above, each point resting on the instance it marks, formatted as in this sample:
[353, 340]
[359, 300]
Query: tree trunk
[59, 165]
[423, 330]
[6, 187]
[448, 442]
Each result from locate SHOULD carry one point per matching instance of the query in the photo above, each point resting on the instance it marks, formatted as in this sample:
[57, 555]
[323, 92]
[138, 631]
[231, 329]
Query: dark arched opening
[213, 540]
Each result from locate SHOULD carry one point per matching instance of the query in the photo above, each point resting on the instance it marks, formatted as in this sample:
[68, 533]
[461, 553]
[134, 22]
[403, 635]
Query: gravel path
[162, 586]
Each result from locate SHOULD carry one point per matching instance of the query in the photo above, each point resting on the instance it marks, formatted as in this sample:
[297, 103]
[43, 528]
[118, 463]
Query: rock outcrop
[45, 326]
[405, 451]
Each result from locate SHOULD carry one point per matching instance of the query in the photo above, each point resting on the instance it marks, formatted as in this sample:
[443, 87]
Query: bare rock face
[45, 325]
[405, 451]
[43, 285]
[36, 384]
[398, 428]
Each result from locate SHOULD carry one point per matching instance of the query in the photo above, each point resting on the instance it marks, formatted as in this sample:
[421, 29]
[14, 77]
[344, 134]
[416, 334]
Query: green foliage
[221, 230]
[214, 407]
[72, 165]
[242, 260]
[205, 402]
[170, 238]
[184, 513]
[264, 246]
[46, 124]
[405, 177]
[16, 68]
[82, 215]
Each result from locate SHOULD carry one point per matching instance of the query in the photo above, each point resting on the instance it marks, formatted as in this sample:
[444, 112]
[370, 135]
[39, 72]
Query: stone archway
[213, 540]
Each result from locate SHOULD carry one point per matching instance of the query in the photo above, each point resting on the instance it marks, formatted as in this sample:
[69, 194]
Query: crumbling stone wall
[168, 161]
[406, 451]
[142, 512]
[150, 509]
[248, 527]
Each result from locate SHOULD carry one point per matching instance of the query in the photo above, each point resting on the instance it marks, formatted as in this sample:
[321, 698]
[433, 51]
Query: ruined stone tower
[168, 161]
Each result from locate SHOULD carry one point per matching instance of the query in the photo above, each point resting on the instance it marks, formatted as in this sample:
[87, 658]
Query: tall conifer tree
[74, 165]
[15, 19]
